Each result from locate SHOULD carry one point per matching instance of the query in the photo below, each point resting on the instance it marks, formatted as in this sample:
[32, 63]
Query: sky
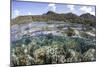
[19, 8]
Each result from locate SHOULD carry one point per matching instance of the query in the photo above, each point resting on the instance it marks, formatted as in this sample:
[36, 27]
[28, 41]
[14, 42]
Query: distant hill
[89, 19]
[50, 15]
[88, 16]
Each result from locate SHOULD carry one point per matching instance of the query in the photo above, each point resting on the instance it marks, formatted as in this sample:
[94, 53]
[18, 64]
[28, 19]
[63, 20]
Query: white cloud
[52, 7]
[16, 12]
[71, 7]
[29, 13]
[87, 10]
[93, 13]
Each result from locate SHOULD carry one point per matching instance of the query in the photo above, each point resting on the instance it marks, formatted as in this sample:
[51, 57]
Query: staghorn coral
[52, 50]
[73, 56]
[89, 55]
[49, 54]
[20, 56]
[39, 55]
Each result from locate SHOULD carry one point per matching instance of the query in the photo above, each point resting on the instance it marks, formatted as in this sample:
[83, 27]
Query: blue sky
[38, 8]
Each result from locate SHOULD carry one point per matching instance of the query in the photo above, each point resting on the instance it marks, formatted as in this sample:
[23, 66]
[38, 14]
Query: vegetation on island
[86, 19]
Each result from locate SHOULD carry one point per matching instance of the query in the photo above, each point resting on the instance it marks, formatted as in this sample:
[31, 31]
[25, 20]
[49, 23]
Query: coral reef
[51, 49]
